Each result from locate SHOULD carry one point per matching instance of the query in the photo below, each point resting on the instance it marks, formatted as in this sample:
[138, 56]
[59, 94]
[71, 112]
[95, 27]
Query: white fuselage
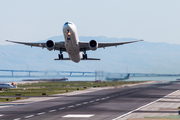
[72, 41]
[6, 86]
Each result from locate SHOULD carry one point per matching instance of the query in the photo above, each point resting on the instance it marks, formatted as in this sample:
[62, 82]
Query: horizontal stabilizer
[63, 59]
[91, 59]
[81, 59]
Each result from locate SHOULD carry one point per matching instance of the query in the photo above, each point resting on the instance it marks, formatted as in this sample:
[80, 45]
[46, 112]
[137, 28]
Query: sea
[159, 78]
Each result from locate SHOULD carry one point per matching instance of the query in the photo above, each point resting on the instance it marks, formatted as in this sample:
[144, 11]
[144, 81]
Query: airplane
[116, 79]
[7, 85]
[72, 45]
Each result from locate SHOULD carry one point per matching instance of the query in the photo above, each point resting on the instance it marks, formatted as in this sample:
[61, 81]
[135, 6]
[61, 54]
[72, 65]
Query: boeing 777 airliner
[72, 45]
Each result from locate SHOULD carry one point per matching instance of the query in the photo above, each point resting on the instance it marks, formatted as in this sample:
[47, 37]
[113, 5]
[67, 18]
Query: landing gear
[84, 55]
[60, 55]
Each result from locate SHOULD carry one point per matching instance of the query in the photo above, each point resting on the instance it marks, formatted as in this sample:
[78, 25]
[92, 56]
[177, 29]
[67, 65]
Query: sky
[34, 20]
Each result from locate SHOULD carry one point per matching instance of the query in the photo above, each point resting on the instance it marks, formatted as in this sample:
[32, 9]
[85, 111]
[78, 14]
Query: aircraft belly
[75, 57]
[73, 52]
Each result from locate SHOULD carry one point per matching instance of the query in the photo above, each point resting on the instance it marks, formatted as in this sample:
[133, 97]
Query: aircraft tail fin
[127, 77]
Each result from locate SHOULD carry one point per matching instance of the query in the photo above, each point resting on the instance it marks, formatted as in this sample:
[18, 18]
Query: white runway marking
[41, 113]
[85, 102]
[78, 104]
[142, 107]
[70, 106]
[17, 119]
[1, 115]
[61, 108]
[97, 99]
[29, 116]
[52, 110]
[79, 115]
[103, 98]
[91, 101]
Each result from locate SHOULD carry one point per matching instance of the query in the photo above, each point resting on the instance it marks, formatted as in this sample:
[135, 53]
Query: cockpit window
[67, 23]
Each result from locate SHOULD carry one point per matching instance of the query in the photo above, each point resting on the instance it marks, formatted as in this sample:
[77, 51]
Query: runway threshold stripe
[79, 115]
[143, 106]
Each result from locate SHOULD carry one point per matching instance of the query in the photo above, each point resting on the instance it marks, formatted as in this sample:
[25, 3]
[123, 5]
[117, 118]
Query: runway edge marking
[143, 106]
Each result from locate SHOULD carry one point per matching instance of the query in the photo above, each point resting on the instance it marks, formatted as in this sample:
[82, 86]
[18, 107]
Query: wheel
[85, 56]
[61, 56]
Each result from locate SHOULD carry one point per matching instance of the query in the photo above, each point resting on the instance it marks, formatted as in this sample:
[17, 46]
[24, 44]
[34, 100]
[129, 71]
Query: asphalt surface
[107, 104]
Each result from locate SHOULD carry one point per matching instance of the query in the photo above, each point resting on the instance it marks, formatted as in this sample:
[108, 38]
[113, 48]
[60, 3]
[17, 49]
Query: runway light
[69, 33]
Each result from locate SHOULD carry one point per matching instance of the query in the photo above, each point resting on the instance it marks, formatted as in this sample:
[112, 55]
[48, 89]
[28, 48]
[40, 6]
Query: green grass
[171, 117]
[9, 99]
[50, 88]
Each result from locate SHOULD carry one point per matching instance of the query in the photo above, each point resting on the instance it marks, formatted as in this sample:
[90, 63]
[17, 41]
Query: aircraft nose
[66, 26]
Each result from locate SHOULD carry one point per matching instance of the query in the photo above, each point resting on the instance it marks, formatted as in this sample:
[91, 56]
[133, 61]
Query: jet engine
[93, 44]
[50, 45]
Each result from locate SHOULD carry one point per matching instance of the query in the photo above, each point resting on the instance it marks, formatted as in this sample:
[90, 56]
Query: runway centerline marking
[52, 110]
[71, 106]
[41, 113]
[78, 104]
[29, 116]
[97, 99]
[17, 119]
[142, 106]
[61, 108]
[79, 115]
[1, 115]
[85, 102]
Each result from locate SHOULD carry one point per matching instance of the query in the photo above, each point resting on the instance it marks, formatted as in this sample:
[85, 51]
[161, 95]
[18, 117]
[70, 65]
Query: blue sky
[34, 20]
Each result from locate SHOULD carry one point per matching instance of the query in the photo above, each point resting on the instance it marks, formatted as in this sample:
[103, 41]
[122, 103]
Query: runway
[105, 104]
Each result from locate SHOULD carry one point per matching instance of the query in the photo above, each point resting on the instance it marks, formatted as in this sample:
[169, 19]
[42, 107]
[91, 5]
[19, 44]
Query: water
[14, 79]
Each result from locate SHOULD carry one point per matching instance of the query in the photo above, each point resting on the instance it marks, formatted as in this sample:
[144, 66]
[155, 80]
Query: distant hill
[138, 57]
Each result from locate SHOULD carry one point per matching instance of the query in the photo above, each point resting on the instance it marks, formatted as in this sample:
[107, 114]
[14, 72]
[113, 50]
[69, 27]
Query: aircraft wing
[85, 45]
[58, 45]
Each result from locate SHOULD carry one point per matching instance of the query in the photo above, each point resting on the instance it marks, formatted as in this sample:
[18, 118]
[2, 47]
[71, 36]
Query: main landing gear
[60, 55]
[84, 55]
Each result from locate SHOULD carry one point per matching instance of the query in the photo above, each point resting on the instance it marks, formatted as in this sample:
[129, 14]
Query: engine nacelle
[50, 45]
[93, 44]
